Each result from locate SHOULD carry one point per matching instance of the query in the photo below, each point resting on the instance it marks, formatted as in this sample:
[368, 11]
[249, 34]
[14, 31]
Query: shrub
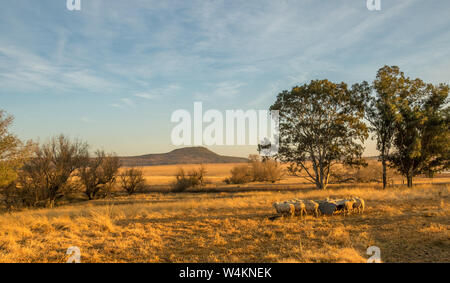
[240, 174]
[256, 171]
[272, 171]
[99, 172]
[184, 181]
[132, 180]
[372, 173]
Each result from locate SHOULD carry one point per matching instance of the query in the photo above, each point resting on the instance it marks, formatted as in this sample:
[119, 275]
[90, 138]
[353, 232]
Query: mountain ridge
[186, 155]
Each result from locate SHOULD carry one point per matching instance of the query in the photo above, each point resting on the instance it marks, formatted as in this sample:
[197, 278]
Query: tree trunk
[410, 181]
[383, 162]
[321, 185]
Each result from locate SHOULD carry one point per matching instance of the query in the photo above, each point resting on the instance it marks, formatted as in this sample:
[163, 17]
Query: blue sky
[114, 72]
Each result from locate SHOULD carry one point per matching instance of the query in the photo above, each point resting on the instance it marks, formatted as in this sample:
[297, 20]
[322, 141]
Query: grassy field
[216, 173]
[231, 224]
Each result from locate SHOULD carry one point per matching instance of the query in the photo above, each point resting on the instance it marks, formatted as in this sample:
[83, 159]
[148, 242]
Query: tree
[52, 165]
[100, 171]
[13, 152]
[422, 136]
[382, 111]
[132, 180]
[321, 124]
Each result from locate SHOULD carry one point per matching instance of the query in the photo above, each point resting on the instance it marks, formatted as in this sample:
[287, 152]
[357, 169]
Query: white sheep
[312, 207]
[348, 205]
[359, 204]
[300, 208]
[284, 208]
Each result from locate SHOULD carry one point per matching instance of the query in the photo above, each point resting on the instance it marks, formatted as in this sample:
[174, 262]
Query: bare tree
[53, 164]
[100, 171]
[132, 180]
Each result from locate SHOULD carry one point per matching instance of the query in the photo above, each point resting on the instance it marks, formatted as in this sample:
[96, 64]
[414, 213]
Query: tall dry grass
[409, 225]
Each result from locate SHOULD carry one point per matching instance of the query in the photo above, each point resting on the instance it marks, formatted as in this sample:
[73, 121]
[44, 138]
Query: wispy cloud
[227, 90]
[159, 92]
[162, 54]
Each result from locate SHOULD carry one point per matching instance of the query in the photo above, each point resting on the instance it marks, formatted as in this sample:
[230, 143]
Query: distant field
[216, 173]
[408, 225]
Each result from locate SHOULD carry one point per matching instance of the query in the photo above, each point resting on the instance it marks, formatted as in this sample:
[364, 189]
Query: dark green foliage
[321, 123]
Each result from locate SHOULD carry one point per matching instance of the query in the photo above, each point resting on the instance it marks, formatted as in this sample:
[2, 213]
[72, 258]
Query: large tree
[382, 111]
[13, 152]
[321, 124]
[422, 137]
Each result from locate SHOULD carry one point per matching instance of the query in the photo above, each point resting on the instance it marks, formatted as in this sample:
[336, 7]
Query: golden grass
[216, 173]
[409, 225]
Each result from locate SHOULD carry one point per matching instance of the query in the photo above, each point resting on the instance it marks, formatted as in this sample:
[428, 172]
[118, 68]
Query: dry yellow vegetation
[164, 174]
[409, 225]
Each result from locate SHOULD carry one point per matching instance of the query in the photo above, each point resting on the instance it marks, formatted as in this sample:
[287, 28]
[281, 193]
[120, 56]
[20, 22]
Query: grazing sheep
[340, 205]
[348, 206]
[359, 205]
[312, 207]
[300, 208]
[284, 208]
[327, 207]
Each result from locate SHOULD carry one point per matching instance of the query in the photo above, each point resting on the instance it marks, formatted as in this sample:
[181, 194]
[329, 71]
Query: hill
[188, 155]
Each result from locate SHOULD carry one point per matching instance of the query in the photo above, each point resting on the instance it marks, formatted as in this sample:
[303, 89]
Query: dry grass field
[164, 174]
[409, 225]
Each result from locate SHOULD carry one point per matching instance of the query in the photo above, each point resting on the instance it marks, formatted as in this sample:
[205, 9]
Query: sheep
[348, 206]
[300, 208]
[284, 208]
[358, 205]
[327, 207]
[312, 207]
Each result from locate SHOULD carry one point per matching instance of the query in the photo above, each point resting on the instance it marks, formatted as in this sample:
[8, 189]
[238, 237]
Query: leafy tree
[422, 136]
[13, 152]
[321, 124]
[382, 112]
[100, 171]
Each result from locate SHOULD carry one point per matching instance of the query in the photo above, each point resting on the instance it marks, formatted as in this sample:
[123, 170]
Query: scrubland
[232, 225]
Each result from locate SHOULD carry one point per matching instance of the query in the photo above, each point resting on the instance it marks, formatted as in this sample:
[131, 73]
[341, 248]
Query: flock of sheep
[325, 207]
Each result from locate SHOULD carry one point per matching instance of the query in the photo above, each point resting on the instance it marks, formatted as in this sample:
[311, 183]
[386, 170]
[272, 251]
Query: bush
[241, 174]
[272, 171]
[372, 173]
[256, 171]
[193, 179]
[132, 180]
[100, 172]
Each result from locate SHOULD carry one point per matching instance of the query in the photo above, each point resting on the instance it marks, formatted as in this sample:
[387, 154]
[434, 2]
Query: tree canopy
[321, 124]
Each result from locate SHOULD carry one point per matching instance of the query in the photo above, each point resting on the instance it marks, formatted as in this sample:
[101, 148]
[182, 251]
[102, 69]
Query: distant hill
[188, 155]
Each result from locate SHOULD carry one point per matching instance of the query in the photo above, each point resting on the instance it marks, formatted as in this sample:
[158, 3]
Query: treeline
[38, 175]
[324, 123]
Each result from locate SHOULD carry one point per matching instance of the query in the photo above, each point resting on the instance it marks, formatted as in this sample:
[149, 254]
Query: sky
[114, 72]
